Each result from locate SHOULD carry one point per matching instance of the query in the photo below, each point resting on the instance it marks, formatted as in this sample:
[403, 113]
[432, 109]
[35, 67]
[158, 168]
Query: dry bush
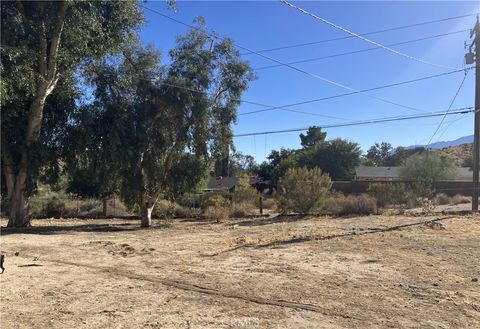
[387, 193]
[243, 209]
[269, 203]
[442, 199]
[428, 206]
[458, 199]
[215, 201]
[341, 205]
[219, 214]
[54, 207]
[244, 192]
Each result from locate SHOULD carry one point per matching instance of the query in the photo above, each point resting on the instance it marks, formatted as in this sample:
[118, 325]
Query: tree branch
[55, 43]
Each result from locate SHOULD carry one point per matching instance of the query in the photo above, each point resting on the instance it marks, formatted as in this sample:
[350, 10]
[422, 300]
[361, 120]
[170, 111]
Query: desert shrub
[417, 191]
[244, 192]
[269, 203]
[88, 206]
[442, 199]
[303, 190]
[164, 209]
[387, 193]
[340, 205]
[54, 207]
[186, 212]
[216, 207]
[243, 209]
[190, 200]
[219, 214]
[215, 201]
[458, 199]
[428, 206]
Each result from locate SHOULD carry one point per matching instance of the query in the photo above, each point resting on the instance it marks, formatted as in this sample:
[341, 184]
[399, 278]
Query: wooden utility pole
[476, 140]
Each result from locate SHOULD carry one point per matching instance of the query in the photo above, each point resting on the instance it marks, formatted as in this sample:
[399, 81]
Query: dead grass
[111, 274]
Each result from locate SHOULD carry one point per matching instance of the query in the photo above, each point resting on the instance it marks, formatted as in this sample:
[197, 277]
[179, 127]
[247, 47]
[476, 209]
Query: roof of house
[394, 173]
[377, 172]
[226, 183]
[222, 183]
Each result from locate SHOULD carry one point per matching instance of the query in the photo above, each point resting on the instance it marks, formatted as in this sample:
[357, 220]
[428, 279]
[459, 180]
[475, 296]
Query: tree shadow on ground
[63, 229]
[272, 220]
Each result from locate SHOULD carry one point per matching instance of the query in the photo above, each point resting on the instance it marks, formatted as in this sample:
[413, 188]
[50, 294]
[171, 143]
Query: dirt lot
[256, 273]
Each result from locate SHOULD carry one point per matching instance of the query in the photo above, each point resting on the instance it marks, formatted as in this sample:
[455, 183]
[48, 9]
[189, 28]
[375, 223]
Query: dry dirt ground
[362, 272]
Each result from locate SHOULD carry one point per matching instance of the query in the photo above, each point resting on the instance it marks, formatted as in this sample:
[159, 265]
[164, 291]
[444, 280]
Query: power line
[465, 110]
[363, 34]
[359, 91]
[449, 107]
[316, 76]
[364, 38]
[362, 50]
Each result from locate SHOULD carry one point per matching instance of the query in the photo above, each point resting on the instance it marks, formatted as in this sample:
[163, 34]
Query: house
[227, 184]
[366, 173]
[377, 173]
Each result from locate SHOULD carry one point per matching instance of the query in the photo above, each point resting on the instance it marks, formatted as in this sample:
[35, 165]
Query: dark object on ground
[2, 259]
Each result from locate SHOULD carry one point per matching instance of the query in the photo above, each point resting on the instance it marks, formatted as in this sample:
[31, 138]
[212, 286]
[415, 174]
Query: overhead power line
[363, 50]
[449, 107]
[358, 92]
[465, 110]
[363, 34]
[364, 38]
[313, 75]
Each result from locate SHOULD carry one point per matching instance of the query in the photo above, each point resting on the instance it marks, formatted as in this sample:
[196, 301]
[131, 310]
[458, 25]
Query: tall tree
[166, 121]
[43, 44]
[428, 167]
[337, 157]
[314, 136]
[380, 154]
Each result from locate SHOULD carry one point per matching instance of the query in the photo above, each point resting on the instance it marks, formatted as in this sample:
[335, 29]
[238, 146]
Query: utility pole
[471, 58]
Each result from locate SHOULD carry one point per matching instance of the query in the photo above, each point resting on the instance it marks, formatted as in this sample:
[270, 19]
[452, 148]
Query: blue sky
[267, 24]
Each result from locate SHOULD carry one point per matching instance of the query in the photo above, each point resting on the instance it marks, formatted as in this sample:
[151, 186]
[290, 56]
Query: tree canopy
[338, 157]
[44, 45]
[157, 127]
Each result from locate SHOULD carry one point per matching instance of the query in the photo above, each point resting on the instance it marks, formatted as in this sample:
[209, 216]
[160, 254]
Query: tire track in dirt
[204, 290]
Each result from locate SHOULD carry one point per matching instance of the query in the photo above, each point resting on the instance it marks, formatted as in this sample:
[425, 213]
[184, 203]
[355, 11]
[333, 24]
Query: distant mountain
[441, 145]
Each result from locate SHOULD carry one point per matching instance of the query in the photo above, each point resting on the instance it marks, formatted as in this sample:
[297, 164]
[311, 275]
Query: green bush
[244, 192]
[164, 209]
[442, 199]
[303, 190]
[54, 208]
[387, 194]
[341, 205]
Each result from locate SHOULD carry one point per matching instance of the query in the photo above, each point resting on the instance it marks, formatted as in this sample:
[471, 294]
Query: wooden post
[260, 198]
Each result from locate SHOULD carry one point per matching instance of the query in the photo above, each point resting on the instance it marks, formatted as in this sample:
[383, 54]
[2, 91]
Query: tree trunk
[104, 206]
[18, 202]
[146, 215]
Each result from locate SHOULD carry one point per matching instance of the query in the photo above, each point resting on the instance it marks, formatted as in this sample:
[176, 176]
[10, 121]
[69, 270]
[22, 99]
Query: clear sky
[268, 24]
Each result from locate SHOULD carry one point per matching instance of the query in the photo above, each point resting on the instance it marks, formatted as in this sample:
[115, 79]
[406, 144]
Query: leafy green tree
[313, 137]
[240, 164]
[423, 169]
[165, 122]
[337, 157]
[379, 154]
[43, 45]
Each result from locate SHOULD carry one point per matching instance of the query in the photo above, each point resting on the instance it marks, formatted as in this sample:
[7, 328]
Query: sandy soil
[253, 273]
